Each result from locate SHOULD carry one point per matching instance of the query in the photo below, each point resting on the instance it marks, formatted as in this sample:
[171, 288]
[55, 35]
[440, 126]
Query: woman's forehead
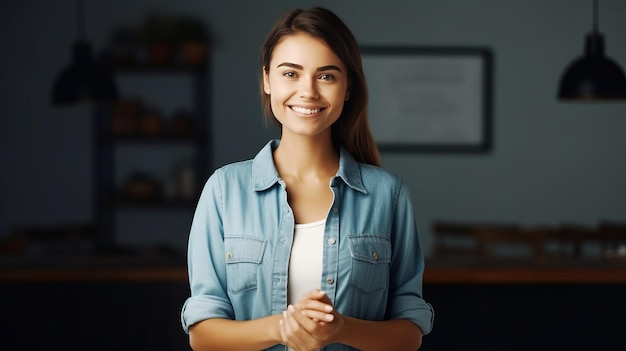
[305, 50]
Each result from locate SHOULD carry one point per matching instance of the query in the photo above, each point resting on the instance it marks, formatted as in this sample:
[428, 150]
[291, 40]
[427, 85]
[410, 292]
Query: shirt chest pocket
[371, 255]
[243, 255]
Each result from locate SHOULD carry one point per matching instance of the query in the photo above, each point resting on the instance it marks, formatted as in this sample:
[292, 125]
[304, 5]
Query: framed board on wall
[429, 99]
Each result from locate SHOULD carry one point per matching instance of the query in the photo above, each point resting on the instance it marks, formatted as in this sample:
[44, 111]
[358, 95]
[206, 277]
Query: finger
[301, 319]
[315, 300]
[313, 334]
[294, 335]
[315, 305]
[315, 294]
[288, 326]
[325, 299]
[318, 316]
[283, 332]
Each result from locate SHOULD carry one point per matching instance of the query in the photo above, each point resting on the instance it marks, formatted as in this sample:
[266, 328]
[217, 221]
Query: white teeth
[307, 111]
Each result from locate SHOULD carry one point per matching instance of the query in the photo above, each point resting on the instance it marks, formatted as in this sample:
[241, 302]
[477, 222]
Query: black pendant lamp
[593, 76]
[85, 79]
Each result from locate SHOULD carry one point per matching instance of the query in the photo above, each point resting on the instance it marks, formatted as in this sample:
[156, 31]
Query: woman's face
[307, 84]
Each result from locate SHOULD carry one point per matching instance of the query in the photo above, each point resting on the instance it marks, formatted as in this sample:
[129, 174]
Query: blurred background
[96, 200]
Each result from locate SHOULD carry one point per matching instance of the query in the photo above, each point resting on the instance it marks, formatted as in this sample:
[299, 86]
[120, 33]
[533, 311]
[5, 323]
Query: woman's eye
[289, 74]
[327, 77]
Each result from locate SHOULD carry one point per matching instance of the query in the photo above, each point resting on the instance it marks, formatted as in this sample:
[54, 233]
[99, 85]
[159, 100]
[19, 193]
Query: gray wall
[551, 162]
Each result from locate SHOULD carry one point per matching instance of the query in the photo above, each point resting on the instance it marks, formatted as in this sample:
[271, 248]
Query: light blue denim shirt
[242, 231]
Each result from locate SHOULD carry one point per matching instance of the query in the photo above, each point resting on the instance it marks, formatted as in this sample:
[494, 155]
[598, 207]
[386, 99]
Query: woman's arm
[302, 333]
[306, 326]
[224, 334]
[392, 335]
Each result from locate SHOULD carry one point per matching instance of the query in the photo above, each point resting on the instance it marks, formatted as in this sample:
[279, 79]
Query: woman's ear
[266, 82]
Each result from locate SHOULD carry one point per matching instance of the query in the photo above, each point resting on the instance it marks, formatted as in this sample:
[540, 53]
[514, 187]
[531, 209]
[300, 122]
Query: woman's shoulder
[371, 173]
[236, 175]
[235, 169]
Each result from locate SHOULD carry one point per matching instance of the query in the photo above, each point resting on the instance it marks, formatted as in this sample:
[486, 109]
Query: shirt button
[330, 281]
[375, 255]
[332, 241]
[229, 255]
[335, 210]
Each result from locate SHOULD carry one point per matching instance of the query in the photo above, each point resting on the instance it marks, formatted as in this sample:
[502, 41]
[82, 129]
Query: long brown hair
[352, 129]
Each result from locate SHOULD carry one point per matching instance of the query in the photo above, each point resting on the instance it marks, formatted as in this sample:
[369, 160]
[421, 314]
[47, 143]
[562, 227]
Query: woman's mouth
[306, 111]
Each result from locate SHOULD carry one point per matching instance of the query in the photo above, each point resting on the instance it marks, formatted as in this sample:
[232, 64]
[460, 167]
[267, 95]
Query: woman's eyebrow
[319, 69]
[289, 64]
[328, 68]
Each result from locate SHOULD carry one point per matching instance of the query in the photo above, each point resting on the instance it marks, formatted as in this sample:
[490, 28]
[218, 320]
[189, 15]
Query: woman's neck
[301, 158]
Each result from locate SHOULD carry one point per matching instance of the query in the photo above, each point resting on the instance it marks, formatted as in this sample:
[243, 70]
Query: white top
[305, 263]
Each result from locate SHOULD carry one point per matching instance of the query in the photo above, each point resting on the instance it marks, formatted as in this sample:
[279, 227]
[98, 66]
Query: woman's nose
[308, 88]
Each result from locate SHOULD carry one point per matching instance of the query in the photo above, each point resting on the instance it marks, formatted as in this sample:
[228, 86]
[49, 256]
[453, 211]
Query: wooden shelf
[94, 268]
[164, 274]
[512, 272]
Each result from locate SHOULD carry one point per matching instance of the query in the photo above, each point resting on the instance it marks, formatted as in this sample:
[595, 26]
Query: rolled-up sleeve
[205, 259]
[407, 266]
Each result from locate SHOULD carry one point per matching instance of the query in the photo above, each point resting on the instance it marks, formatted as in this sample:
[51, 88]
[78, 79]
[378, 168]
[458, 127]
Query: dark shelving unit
[107, 190]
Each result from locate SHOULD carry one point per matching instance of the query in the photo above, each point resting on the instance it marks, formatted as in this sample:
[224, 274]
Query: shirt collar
[265, 175]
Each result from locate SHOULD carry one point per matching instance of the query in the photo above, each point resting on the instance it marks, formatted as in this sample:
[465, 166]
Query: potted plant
[157, 34]
[192, 40]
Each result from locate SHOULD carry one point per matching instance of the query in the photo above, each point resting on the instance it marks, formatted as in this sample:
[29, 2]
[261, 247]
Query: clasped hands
[311, 323]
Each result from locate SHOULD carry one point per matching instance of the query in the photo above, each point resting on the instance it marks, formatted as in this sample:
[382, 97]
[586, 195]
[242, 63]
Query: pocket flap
[244, 249]
[370, 248]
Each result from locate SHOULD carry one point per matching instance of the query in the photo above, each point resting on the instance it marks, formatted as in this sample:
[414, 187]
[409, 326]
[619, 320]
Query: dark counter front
[104, 303]
[135, 305]
[527, 306]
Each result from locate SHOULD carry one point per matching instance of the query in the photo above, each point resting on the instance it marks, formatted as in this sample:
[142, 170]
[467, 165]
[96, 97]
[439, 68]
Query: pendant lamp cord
[595, 16]
[80, 19]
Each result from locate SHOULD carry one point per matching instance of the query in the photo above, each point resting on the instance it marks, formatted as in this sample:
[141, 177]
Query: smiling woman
[307, 85]
[310, 244]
